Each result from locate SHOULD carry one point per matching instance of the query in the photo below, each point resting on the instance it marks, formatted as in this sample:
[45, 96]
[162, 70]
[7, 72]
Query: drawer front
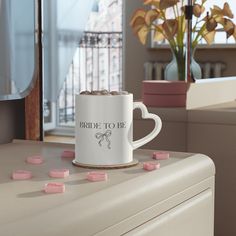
[193, 217]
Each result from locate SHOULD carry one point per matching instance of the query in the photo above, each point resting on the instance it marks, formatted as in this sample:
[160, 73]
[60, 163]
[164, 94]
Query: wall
[11, 120]
[136, 54]
[223, 155]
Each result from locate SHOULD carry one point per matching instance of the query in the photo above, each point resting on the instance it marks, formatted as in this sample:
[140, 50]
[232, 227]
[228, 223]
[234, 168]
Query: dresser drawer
[193, 217]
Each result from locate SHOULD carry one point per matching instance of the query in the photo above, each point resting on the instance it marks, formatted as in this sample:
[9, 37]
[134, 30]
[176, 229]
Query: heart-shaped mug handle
[146, 115]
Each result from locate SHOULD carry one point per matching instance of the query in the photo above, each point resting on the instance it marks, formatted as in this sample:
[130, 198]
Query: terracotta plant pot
[162, 93]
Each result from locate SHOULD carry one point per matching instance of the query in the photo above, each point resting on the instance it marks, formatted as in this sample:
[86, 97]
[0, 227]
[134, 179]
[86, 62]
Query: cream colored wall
[11, 120]
[6, 122]
[135, 54]
[226, 55]
[173, 135]
[218, 142]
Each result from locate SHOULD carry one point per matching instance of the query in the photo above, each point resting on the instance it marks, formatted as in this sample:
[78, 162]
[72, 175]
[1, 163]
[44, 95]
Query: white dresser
[176, 200]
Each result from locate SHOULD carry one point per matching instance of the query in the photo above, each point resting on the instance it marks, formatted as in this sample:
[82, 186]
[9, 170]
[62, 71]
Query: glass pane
[17, 47]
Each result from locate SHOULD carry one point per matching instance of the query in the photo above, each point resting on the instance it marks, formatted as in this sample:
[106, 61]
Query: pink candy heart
[95, 176]
[36, 160]
[68, 154]
[54, 188]
[21, 175]
[59, 173]
[149, 166]
[160, 155]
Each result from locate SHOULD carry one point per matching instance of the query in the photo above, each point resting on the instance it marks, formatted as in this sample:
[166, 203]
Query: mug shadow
[77, 182]
[133, 171]
[31, 194]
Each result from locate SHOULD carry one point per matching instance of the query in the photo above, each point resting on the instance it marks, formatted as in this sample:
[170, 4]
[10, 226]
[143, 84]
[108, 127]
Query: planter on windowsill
[162, 93]
[204, 92]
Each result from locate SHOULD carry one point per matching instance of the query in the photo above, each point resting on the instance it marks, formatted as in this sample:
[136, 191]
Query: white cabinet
[192, 217]
[210, 130]
[176, 200]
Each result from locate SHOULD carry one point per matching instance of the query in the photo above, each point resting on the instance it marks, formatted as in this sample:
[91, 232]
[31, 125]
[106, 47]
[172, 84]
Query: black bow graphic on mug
[102, 136]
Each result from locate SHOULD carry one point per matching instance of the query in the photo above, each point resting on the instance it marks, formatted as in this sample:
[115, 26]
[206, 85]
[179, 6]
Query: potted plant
[166, 18]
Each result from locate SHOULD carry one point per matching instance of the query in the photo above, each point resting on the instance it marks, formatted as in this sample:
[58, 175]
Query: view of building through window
[97, 63]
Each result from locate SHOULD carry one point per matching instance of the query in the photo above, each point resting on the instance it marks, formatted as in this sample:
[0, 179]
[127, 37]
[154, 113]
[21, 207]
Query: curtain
[5, 48]
[17, 45]
[23, 41]
[64, 24]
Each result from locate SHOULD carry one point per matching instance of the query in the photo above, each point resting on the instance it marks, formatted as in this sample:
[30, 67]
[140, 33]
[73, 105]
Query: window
[92, 62]
[114, 64]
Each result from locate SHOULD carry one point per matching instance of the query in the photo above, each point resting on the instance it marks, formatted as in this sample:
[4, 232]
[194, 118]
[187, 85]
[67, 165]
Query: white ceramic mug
[104, 129]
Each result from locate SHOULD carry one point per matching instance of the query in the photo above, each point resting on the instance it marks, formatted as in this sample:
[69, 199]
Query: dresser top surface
[25, 199]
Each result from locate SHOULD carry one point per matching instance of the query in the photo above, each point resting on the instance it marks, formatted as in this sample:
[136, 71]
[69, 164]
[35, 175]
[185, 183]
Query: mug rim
[104, 95]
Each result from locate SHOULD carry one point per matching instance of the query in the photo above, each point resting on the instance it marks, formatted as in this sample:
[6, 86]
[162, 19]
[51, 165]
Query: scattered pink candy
[54, 188]
[161, 155]
[59, 173]
[68, 154]
[36, 160]
[96, 176]
[21, 175]
[151, 166]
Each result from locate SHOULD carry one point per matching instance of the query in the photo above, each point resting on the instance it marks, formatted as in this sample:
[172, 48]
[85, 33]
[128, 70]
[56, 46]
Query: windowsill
[59, 139]
[199, 47]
